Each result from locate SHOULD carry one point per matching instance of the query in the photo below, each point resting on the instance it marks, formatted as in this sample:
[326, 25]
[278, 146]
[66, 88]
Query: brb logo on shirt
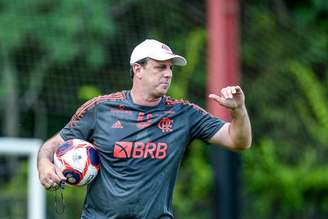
[125, 149]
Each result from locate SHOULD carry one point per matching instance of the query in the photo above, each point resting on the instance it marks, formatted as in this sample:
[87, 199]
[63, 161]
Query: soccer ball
[78, 160]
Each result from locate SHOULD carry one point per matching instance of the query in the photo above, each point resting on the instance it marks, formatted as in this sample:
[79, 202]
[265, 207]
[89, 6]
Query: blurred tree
[52, 33]
[284, 57]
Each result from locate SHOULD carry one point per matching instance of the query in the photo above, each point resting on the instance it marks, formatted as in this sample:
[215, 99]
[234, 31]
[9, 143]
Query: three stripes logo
[117, 125]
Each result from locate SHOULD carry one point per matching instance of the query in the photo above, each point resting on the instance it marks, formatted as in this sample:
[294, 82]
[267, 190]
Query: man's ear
[137, 70]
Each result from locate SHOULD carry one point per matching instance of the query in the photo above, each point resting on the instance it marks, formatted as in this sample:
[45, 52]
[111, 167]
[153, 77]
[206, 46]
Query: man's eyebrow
[162, 65]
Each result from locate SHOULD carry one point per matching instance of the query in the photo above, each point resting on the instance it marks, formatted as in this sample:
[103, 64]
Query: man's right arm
[49, 175]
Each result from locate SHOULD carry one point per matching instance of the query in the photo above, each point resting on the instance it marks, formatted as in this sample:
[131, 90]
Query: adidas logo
[117, 125]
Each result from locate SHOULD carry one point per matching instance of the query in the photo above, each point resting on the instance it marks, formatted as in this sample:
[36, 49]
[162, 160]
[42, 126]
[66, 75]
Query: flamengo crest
[165, 125]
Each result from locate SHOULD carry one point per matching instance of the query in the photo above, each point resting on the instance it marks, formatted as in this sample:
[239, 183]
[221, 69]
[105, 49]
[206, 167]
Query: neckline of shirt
[129, 97]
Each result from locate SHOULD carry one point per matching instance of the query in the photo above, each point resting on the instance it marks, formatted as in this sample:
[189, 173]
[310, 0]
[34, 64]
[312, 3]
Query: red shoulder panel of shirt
[171, 101]
[92, 103]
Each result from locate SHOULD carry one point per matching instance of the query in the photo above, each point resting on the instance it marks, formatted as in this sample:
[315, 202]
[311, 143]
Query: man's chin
[162, 92]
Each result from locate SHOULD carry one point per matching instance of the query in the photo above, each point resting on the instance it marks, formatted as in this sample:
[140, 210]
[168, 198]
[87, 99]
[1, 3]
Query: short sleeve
[203, 124]
[82, 123]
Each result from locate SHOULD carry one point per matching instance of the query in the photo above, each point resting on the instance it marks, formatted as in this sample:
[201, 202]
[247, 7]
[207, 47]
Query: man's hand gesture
[231, 97]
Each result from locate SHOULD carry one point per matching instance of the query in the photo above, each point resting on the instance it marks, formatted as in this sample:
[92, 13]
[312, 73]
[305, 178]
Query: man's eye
[163, 67]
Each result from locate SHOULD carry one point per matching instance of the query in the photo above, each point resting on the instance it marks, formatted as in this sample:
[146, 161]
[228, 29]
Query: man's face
[156, 77]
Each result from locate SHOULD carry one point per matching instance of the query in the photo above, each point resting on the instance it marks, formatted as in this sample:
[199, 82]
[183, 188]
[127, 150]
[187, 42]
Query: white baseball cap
[156, 50]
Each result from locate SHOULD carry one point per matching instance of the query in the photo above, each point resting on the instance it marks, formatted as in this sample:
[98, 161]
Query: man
[140, 136]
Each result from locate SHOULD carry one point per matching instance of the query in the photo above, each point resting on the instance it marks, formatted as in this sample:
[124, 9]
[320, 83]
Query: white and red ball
[78, 160]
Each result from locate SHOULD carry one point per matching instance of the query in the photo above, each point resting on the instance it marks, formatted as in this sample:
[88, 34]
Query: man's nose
[168, 73]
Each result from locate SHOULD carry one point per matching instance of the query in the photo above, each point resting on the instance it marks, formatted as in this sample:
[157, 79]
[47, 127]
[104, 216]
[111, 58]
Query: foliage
[52, 34]
[70, 207]
[283, 190]
[87, 92]
[181, 80]
[285, 63]
[14, 194]
[192, 192]
[57, 28]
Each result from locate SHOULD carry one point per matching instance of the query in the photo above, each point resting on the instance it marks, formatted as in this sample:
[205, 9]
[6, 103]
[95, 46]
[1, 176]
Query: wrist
[43, 162]
[238, 111]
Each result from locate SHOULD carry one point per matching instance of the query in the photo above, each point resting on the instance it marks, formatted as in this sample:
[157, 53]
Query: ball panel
[62, 149]
[93, 156]
[58, 162]
[89, 175]
[78, 160]
[73, 176]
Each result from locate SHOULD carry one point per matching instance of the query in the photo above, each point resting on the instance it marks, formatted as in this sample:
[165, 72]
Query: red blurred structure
[223, 70]
[223, 48]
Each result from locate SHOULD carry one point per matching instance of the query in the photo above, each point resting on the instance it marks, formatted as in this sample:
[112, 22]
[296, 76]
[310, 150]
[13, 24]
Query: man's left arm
[235, 135]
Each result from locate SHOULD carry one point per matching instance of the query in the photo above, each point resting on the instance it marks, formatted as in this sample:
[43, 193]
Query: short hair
[141, 62]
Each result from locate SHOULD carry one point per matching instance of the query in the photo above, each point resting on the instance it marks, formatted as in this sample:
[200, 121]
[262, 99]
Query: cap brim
[176, 59]
[179, 60]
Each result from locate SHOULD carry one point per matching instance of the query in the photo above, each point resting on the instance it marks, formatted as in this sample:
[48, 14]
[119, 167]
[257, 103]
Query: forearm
[45, 153]
[240, 128]
[49, 174]
[48, 149]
